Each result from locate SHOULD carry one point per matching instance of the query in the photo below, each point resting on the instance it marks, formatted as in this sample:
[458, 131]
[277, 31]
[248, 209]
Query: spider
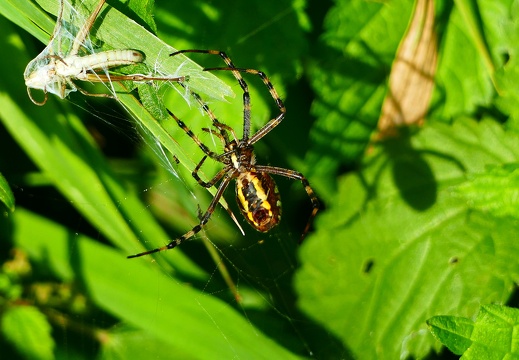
[256, 192]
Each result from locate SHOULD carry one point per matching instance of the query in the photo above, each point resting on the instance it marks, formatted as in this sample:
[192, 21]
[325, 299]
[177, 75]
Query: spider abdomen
[258, 199]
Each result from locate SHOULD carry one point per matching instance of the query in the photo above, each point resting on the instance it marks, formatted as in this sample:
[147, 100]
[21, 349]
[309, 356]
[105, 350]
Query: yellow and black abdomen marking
[258, 199]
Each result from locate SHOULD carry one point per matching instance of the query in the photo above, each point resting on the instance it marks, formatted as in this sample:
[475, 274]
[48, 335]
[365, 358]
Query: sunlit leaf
[29, 331]
[472, 49]
[6, 195]
[396, 247]
[124, 342]
[507, 76]
[495, 191]
[455, 332]
[491, 336]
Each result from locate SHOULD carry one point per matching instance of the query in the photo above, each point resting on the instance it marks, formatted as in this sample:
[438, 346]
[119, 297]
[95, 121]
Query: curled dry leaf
[412, 76]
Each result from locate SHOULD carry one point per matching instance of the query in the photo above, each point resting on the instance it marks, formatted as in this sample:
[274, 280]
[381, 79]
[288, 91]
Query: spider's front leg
[188, 131]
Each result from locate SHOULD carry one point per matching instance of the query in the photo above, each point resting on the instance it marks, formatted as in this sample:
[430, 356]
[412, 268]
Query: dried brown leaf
[411, 80]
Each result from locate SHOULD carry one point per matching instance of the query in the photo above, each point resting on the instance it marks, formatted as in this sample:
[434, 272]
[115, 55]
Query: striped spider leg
[256, 192]
[55, 69]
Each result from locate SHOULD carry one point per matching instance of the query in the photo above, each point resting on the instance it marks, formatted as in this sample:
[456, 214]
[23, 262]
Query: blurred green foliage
[489, 336]
[412, 228]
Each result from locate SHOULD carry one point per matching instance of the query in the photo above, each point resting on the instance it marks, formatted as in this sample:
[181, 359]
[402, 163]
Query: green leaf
[491, 336]
[144, 9]
[29, 331]
[238, 28]
[27, 15]
[507, 76]
[472, 18]
[396, 247]
[454, 332]
[168, 310]
[6, 195]
[474, 42]
[124, 342]
[508, 80]
[495, 191]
